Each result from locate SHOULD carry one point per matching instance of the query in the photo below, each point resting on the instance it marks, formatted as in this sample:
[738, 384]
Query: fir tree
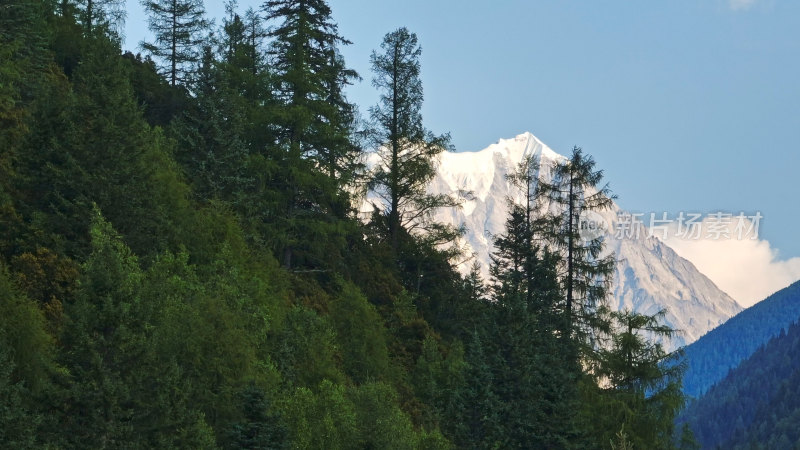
[309, 74]
[103, 343]
[260, 427]
[540, 364]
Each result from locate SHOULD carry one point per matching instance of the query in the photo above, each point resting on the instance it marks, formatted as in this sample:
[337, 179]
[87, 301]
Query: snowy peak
[649, 275]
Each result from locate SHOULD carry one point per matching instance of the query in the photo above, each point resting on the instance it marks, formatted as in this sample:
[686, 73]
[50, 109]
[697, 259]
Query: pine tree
[177, 26]
[90, 144]
[310, 79]
[479, 422]
[242, 50]
[18, 424]
[406, 149]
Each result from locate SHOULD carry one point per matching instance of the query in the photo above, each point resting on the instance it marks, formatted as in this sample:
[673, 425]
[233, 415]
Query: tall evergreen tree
[313, 152]
[642, 382]
[539, 368]
[210, 136]
[91, 145]
[103, 343]
[310, 77]
[260, 427]
[406, 149]
[584, 271]
[177, 27]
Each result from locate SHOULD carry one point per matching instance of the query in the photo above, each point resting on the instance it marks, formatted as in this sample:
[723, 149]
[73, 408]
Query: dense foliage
[712, 356]
[758, 404]
[183, 265]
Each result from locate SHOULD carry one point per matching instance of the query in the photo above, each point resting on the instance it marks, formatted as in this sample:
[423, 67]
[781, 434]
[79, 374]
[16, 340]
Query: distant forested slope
[722, 349]
[758, 404]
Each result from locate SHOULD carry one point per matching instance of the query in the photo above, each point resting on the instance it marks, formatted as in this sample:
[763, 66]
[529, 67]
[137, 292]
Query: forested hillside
[758, 404]
[182, 264]
[711, 357]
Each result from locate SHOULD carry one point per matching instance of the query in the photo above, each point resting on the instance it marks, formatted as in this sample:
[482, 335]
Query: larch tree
[407, 151]
[177, 27]
[101, 13]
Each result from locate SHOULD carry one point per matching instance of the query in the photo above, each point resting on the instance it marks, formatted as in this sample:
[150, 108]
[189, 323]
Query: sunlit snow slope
[649, 275]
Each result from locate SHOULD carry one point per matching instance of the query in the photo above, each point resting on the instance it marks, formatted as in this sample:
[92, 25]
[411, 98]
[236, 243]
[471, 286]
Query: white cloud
[740, 5]
[749, 270]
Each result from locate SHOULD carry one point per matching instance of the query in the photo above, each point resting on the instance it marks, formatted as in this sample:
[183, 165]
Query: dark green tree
[574, 190]
[90, 144]
[311, 159]
[103, 344]
[25, 367]
[537, 369]
[177, 27]
[310, 76]
[641, 389]
[18, 424]
[260, 427]
[407, 151]
[210, 137]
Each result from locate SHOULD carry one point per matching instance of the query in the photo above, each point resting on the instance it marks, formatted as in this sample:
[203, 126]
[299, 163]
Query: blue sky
[688, 105]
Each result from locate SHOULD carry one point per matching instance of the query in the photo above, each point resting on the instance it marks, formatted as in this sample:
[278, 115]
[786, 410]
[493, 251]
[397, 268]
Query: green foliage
[642, 391]
[576, 189]
[406, 149]
[261, 427]
[312, 158]
[360, 335]
[209, 136]
[322, 418]
[176, 26]
[100, 14]
[26, 352]
[438, 380]
[381, 423]
[89, 156]
[103, 342]
[305, 348]
[169, 322]
[18, 425]
[27, 345]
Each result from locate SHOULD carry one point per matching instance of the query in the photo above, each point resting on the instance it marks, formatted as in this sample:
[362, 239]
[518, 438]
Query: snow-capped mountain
[649, 275]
